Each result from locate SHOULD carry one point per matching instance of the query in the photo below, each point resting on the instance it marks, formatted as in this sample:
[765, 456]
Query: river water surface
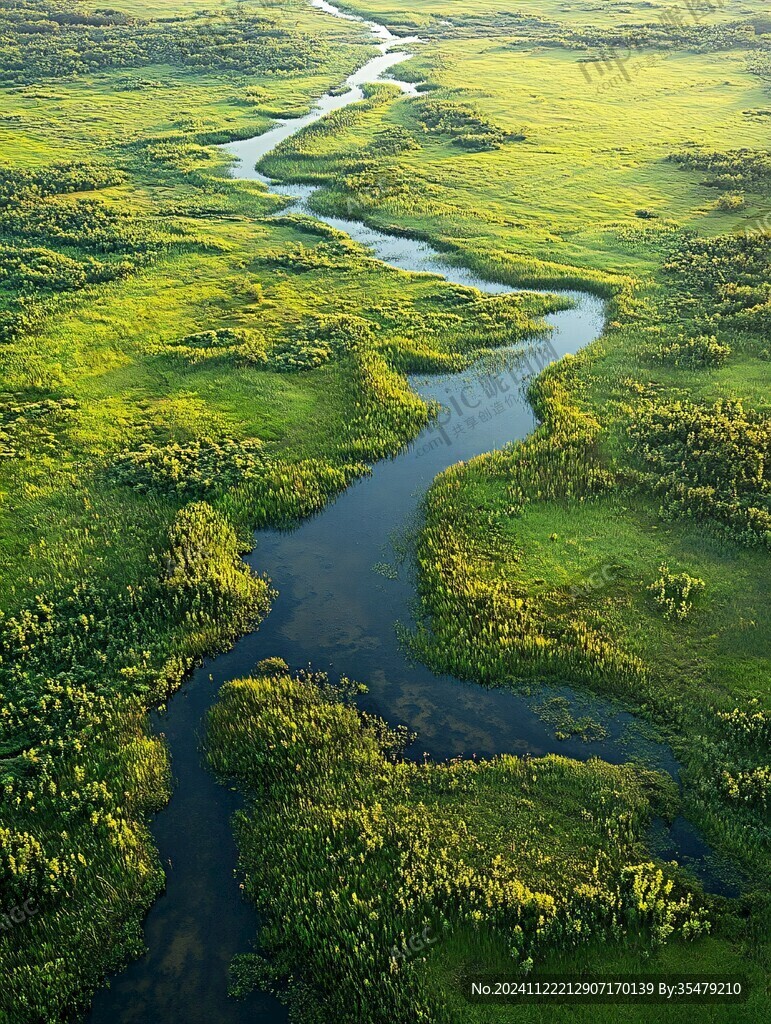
[343, 585]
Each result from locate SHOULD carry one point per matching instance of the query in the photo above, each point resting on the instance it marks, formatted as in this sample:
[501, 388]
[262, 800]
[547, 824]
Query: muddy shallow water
[343, 584]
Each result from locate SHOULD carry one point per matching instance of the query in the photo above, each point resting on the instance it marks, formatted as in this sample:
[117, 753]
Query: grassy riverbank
[625, 545]
[177, 368]
[382, 884]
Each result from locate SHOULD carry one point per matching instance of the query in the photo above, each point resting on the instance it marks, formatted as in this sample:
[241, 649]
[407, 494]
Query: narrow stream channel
[342, 589]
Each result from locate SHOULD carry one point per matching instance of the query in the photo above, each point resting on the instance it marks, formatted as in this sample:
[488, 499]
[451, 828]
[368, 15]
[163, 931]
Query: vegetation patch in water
[350, 852]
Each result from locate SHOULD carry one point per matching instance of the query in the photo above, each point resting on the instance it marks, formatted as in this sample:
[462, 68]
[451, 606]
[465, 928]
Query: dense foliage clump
[28, 428]
[240, 345]
[206, 577]
[22, 185]
[699, 350]
[322, 256]
[350, 851]
[680, 28]
[676, 30]
[724, 281]
[189, 470]
[736, 169]
[674, 592]
[40, 40]
[709, 462]
[462, 123]
[751, 726]
[319, 339]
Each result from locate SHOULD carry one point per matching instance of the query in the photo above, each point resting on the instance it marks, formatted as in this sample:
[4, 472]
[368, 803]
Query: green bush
[709, 463]
[735, 169]
[724, 281]
[205, 574]
[701, 350]
[189, 470]
[731, 202]
[241, 346]
[461, 122]
[674, 592]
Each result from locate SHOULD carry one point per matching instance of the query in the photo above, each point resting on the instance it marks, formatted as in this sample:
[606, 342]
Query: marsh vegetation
[180, 366]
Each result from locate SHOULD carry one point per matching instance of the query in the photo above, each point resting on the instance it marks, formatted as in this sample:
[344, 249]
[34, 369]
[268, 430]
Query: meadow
[624, 546]
[179, 366]
[177, 369]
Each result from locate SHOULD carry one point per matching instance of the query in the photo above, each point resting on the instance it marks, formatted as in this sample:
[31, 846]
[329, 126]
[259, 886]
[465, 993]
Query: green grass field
[610, 13]
[581, 184]
[133, 443]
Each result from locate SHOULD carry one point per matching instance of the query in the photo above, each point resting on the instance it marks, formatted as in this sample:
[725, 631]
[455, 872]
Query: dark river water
[344, 583]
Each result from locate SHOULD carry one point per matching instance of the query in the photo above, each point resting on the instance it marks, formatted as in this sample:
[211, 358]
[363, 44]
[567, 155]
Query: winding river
[343, 585]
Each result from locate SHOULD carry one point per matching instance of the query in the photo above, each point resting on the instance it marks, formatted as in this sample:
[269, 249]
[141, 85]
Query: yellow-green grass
[569, 192]
[605, 13]
[606, 551]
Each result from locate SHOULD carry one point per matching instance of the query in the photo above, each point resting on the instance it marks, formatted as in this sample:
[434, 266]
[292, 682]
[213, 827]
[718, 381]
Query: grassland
[611, 14]
[177, 367]
[573, 554]
[183, 371]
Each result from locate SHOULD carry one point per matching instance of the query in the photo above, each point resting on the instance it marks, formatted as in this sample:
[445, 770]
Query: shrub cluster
[462, 123]
[189, 470]
[349, 850]
[680, 28]
[27, 427]
[674, 592]
[22, 185]
[240, 345]
[697, 351]
[322, 256]
[709, 462]
[750, 726]
[724, 281]
[39, 40]
[318, 340]
[675, 30]
[748, 169]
